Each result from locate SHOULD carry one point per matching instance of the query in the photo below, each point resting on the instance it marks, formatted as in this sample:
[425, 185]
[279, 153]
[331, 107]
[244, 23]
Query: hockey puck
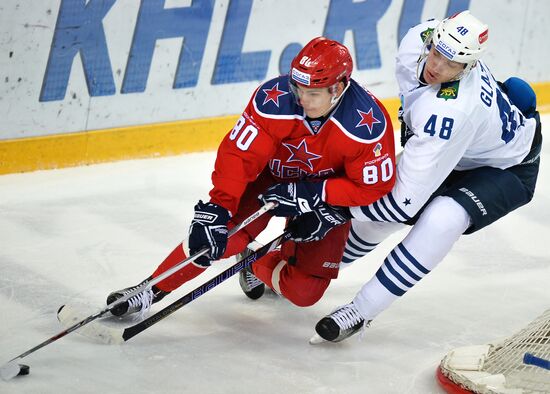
[24, 370]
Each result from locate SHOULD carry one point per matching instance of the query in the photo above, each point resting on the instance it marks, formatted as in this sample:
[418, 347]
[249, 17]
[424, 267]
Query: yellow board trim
[153, 140]
[83, 148]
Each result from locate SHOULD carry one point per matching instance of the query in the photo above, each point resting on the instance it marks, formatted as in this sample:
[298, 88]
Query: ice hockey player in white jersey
[471, 156]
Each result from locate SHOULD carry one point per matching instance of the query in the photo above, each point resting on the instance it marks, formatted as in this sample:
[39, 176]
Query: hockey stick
[111, 335]
[187, 261]
[12, 368]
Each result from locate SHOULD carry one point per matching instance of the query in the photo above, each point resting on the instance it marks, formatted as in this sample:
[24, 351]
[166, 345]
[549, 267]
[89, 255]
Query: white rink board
[41, 94]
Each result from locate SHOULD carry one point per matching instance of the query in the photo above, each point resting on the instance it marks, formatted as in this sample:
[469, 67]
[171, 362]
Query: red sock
[263, 268]
[178, 278]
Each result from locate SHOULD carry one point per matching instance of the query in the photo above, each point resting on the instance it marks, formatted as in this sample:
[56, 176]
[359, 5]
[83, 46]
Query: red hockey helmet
[321, 63]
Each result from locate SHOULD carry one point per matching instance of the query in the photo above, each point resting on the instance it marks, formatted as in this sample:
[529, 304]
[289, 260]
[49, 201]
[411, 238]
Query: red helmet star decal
[273, 94]
[301, 154]
[367, 119]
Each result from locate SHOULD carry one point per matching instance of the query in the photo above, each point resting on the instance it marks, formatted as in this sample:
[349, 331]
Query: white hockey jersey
[457, 126]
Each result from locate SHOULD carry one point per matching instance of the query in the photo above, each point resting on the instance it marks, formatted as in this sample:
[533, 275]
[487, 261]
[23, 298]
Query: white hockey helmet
[461, 38]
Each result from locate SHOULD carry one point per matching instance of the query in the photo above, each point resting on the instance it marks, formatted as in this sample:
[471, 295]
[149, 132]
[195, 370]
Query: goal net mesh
[500, 367]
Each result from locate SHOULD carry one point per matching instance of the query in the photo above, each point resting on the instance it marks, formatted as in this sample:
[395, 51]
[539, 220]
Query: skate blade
[316, 340]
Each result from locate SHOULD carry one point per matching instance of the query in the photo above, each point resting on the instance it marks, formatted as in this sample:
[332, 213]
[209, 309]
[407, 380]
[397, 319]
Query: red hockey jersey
[353, 151]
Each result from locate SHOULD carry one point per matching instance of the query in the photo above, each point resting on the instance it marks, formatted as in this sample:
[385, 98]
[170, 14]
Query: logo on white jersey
[426, 34]
[448, 90]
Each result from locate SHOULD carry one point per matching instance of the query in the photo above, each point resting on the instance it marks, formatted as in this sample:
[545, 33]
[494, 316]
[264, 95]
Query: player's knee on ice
[300, 288]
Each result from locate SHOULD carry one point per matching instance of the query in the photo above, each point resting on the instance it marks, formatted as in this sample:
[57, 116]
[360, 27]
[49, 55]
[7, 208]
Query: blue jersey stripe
[396, 207]
[381, 201]
[359, 248]
[361, 241]
[347, 260]
[379, 212]
[368, 214]
[353, 254]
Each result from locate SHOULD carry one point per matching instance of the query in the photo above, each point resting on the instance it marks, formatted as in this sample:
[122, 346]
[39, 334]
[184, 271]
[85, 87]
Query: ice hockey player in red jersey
[314, 136]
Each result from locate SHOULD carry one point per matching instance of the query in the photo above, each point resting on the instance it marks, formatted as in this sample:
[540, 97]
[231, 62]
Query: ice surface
[74, 235]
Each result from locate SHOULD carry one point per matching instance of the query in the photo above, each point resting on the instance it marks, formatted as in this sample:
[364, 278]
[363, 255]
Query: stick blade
[69, 315]
[9, 370]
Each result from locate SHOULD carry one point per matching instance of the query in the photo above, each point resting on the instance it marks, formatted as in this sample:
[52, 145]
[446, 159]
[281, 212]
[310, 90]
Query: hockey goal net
[519, 364]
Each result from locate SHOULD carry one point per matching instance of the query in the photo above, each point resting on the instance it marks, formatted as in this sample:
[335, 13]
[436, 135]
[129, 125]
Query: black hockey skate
[136, 303]
[340, 324]
[251, 286]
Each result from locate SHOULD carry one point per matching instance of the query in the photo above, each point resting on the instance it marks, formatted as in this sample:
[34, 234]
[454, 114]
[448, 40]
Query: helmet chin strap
[420, 62]
[335, 99]
[421, 59]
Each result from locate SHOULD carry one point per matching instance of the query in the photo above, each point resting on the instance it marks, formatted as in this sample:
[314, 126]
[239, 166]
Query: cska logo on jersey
[367, 119]
[273, 94]
[301, 154]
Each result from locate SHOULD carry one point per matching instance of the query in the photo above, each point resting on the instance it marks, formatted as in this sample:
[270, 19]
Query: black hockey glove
[208, 230]
[293, 199]
[406, 132]
[314, 226]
